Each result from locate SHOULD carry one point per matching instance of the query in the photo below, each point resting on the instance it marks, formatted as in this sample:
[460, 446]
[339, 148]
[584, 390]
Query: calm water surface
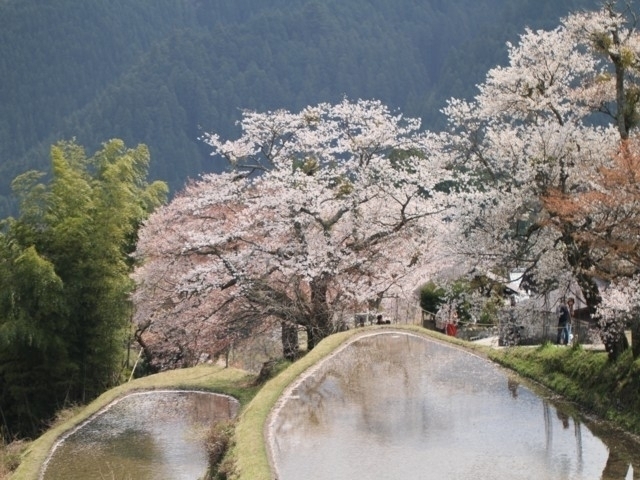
[155, 435]
[399, 406]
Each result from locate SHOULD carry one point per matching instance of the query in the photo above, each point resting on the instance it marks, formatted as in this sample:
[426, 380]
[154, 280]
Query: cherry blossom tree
[323, 211]
[535, 127]
[606, 217]
[607, 214]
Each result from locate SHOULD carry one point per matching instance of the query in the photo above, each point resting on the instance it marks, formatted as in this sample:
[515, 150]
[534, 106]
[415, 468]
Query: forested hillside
[160, 72]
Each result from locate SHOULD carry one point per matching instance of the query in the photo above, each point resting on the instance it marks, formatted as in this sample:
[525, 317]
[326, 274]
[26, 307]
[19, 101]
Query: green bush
[431, 297]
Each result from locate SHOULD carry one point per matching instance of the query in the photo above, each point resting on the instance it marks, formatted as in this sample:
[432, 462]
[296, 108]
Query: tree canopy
[543, 127]
[64, 280]
[326, 210]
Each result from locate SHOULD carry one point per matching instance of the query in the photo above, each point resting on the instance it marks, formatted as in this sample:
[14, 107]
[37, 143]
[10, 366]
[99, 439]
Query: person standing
[571, 334]
[451, 328]
[564, 321]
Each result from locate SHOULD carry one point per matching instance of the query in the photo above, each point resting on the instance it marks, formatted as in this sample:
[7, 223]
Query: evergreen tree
[64, 279]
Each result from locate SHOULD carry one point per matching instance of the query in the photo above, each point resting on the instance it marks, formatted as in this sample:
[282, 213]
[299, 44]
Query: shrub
[431, 297]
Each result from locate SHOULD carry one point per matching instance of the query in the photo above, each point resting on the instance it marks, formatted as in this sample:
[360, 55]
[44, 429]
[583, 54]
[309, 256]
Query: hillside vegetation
[160, 72]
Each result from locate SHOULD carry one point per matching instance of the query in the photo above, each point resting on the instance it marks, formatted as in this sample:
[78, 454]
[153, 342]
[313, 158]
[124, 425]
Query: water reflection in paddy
[146, 435]
[398, 406]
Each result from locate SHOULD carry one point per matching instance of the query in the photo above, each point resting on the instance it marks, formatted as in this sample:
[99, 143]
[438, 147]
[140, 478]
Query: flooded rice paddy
[157, 435]
[398, 406]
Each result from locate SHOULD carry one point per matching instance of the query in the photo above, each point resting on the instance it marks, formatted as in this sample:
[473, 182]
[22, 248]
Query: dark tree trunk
[319, 328]
[311, 340]
[146, 352]
[290, 344]
[614, 340]
[320, 325]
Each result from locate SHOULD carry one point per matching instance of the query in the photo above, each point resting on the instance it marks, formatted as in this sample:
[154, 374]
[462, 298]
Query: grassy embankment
[586, 377]
[608, 390]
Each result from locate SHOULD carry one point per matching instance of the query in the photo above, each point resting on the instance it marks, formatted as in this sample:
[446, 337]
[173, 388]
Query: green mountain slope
[162, 71]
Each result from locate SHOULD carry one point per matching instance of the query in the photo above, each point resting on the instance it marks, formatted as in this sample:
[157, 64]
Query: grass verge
[605, 389]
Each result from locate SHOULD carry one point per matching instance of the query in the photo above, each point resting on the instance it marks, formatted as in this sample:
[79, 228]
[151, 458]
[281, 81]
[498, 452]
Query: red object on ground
[451, 329]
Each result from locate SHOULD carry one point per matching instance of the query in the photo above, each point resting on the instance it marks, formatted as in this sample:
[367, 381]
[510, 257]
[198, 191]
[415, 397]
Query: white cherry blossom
[325, 211]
